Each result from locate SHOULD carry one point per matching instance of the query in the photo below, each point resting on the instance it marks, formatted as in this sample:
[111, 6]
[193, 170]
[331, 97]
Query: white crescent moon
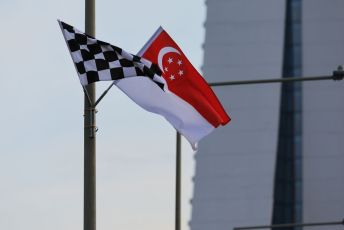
[164, 51]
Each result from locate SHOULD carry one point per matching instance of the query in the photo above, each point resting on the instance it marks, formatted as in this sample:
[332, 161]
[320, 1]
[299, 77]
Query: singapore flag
[186, 100]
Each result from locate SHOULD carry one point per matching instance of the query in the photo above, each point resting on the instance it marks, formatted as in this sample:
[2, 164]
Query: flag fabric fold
[182, 78]
[186, 85]
[160, 79]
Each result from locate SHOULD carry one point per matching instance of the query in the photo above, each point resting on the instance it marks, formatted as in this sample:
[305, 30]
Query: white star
[172, 77]
[180, 62]
[181, 72]
[170, 60]
[166, 69]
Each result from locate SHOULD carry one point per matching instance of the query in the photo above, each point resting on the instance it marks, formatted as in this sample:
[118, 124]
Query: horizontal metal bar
[291, 225]
[336, 75]
[265, 81]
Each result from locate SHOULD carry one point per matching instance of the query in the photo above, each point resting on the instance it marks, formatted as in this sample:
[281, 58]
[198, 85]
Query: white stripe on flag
[180, 114]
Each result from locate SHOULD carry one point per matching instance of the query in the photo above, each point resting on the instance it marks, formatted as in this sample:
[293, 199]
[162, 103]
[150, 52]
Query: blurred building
[281, 159]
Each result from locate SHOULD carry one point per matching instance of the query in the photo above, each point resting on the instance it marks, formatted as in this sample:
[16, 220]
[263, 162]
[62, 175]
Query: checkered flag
[96, 60]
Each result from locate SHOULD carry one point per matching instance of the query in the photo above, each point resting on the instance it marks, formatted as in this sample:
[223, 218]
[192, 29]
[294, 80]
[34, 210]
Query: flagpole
[90, 134]
[178, 183]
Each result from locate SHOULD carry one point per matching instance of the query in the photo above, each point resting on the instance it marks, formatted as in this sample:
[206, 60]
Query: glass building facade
[251, 172]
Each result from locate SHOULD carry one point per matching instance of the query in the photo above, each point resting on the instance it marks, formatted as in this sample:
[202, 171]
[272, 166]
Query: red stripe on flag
[184, 80]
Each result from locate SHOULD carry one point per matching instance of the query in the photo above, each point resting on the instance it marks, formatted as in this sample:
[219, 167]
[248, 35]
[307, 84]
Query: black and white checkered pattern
[96, 60]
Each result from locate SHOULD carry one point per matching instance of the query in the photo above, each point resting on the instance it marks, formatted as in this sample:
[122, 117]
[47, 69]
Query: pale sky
[41, 150]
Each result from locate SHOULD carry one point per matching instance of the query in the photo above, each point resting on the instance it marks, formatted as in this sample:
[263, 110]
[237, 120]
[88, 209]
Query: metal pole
[89, 134]
[277, 80]
[292, 225]
[178, 183]
[337, 75]
[103, 94]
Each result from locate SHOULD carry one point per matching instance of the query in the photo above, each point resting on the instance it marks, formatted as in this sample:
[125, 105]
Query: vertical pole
[89, 135]
[178, 183]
